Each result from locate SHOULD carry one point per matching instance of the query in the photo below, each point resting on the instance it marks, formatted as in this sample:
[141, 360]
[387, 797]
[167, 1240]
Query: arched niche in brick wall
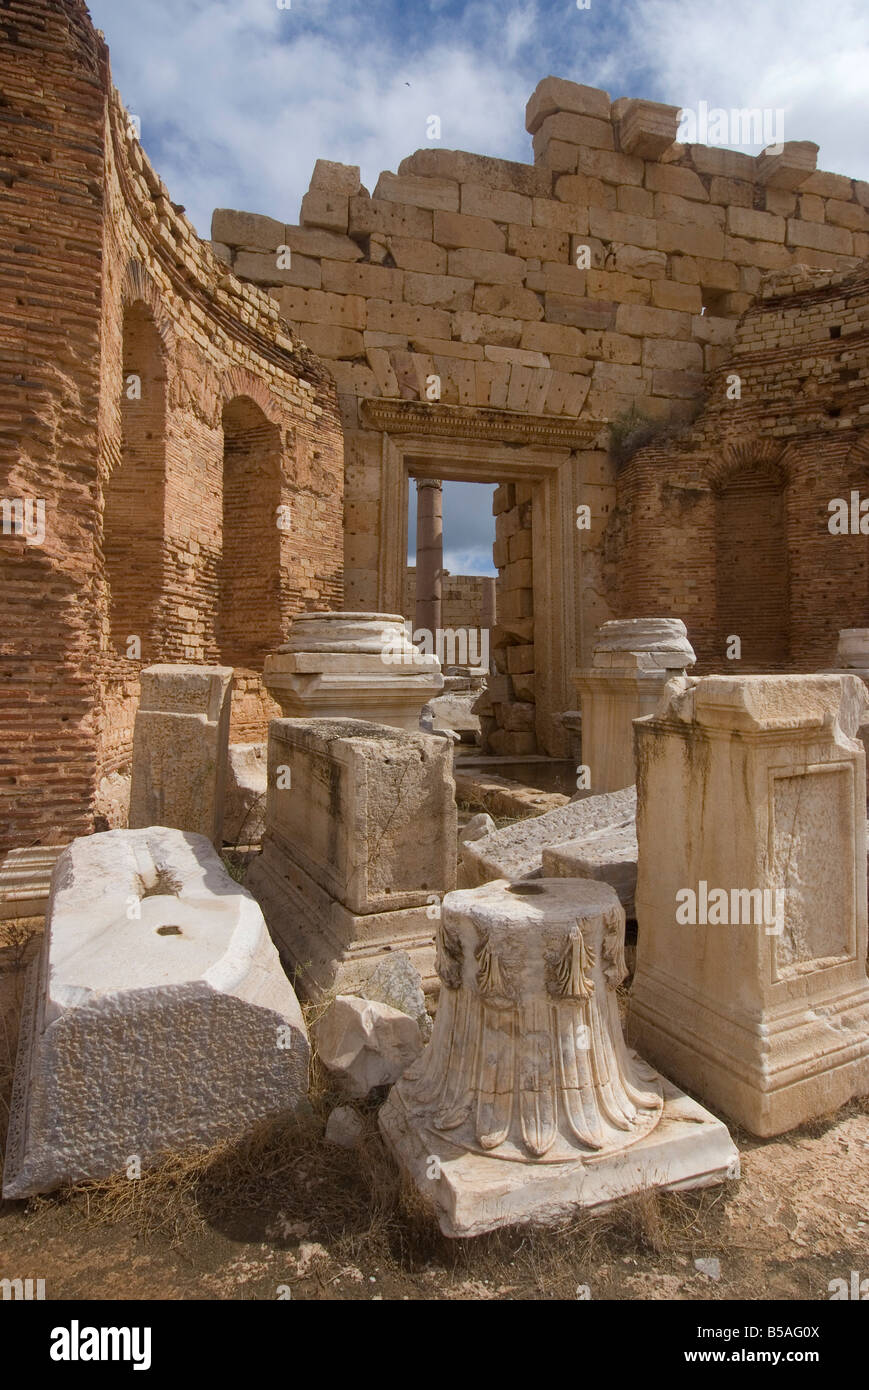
[249, 621]
[134, 510]
[752, 580]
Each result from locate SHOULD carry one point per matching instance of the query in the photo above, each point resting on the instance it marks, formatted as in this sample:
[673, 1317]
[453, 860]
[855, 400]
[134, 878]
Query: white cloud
[808, 59]
[237, 98]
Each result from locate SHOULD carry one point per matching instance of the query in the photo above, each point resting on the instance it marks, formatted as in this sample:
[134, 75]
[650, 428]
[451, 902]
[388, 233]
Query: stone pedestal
[852, 659]
[180, 742]
[632, 661]
[527, 1104]
[852, 653]
[360, 845]
[158, 1017]
[748, 787]
[352, 666]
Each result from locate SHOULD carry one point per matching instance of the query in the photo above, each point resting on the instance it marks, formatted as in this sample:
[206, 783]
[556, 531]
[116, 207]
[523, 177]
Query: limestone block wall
[161, 412]
[461, 599]
[610, 273]
[728, 525]
[512, 690]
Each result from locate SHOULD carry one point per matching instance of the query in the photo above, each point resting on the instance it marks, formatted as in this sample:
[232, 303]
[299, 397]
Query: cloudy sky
[238, 98]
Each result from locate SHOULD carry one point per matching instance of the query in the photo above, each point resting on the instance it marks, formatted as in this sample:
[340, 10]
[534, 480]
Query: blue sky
[238, 98]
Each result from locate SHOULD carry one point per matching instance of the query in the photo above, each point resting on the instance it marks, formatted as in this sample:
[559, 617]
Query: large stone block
[645, 128]
[516, 852]
[157, 1018]
[345, 875]
[323, 208]
[353, 666]
[456, 229]
[429, 193]
[262, 268]
[751, 983]
[248, 230]
[791, 168]
[490, 267]
[180, 741]
[336, 178]
[554, 94]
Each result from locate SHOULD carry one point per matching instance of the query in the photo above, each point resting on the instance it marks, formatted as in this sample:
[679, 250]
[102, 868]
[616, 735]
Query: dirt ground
[282, 1214]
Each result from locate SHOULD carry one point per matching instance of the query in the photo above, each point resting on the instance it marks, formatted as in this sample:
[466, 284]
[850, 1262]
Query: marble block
[156, 1019]
[352, 666]
[360, 845]
[527, 1104]
[609, 855]
[180, 741]
[750, 986]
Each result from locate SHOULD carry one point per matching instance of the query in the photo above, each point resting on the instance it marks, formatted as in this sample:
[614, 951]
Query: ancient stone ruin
[234, 774]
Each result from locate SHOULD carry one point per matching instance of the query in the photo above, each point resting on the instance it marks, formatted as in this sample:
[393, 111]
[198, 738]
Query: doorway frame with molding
[454, 444]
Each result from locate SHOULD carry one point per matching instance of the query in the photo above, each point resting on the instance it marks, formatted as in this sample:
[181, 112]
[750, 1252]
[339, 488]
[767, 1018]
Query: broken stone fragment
[517, 851]
[396, 981]
[244, 817]
[366, 1044]
[345, 1127]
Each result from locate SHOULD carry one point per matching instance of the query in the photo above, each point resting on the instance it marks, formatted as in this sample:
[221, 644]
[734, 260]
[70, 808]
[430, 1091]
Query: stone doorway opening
[536, 490]
[469, 588]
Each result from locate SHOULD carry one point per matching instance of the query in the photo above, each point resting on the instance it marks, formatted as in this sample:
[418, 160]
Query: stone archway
[249, 608]
[752, 581]
[134, 503]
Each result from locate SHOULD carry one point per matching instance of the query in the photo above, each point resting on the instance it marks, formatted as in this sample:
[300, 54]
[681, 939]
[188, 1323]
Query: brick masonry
[156, 505]
[727, 524]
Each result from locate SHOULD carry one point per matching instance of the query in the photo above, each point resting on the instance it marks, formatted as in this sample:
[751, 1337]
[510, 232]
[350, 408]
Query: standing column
[489, 614]
[429, 553]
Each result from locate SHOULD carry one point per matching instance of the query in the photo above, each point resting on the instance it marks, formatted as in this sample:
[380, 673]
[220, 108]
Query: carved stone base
[324, 947]
[473, 1193]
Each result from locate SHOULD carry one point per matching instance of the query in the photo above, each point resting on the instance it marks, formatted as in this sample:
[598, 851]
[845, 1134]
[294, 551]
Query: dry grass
[19, 941]
[283, 1181]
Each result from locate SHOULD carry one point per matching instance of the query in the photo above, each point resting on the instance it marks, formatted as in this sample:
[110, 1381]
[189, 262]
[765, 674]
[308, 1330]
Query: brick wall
[103, 277]
[726, 526]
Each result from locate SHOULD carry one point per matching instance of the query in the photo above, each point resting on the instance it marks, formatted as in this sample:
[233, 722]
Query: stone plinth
[632, 661]
[25, 880]
[157, 1018]
[751, 785]
[852, 653]
[180, 742]
[352, 666]
[516, 852]
[527, 1095]
[360, 844]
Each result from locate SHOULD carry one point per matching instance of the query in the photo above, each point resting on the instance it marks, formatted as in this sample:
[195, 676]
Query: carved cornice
[478, 422]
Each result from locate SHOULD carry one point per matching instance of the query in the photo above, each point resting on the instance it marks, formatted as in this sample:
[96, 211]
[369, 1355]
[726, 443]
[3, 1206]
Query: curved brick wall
[90, 242]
